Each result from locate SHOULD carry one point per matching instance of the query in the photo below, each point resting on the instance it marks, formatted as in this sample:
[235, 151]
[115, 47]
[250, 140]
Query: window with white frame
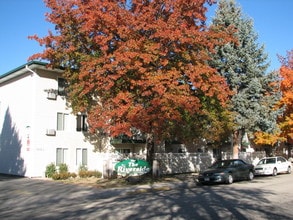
[81, 122]
[62, 121]
[81, 156]
[61, 156]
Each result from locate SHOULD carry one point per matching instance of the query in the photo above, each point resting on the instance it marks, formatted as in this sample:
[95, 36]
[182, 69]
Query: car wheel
[250, 175]
[289, 170]
[275, 172]
[230, 178]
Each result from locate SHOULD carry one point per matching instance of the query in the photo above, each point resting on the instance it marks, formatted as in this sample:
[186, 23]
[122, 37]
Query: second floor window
[62, 84]
[62, 121]
[81, 123]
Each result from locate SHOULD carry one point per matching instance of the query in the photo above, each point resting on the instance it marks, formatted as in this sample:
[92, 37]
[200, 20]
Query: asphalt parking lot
[262, 198]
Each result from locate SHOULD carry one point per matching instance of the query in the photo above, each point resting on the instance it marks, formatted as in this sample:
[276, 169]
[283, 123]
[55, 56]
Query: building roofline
[22, 69]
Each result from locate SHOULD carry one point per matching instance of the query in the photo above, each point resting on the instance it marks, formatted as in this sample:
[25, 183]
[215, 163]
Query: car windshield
[267, 161]
[221, 164]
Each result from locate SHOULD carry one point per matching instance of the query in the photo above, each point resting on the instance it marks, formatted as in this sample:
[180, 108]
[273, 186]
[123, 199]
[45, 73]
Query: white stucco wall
[25, 115]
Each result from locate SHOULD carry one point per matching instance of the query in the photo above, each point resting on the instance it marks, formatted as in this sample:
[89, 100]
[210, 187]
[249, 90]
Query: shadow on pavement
[39, 199]
[8, 177]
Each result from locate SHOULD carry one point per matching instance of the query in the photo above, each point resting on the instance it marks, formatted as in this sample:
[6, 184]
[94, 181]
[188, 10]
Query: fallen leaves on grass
[124, 182]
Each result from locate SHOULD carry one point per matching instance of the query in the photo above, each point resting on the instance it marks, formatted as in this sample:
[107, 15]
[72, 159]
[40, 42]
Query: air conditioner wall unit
[52, 96]
[51, 132]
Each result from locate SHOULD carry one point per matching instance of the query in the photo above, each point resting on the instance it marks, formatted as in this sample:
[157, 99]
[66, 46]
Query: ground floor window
[81, 156]
[123, 150]
[61, 156]
[62, 121]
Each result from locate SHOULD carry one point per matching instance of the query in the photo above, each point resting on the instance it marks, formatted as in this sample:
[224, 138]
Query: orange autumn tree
[285, 121]
[135, 64]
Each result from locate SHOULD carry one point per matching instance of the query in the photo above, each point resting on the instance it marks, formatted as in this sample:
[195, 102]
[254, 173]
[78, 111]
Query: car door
[282, 164]
[241, 169]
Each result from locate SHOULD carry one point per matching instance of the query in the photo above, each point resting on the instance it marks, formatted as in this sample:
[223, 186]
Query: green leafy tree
[285, 121]
[244, 65]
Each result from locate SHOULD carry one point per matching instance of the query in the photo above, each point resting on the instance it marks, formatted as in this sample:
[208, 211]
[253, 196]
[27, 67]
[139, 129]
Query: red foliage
[139, 65]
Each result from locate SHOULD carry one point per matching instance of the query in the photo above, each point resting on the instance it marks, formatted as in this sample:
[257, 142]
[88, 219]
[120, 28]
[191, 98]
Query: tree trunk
[236, 143]
[289, 148]
[150, 146]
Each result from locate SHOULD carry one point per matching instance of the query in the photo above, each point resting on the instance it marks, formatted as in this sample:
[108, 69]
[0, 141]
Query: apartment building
[37, 128]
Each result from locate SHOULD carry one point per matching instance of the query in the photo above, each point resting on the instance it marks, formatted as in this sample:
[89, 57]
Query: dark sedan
[227, 171]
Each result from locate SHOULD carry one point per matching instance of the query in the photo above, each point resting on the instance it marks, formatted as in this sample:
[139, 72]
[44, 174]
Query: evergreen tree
[244, 64]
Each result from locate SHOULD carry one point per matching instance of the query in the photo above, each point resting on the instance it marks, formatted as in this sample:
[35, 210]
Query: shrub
[82, 168]
[73, 175]
[50, 170]
[63, 168]
[61, 176]
[82, 173]
[96, 174]
[88, 173]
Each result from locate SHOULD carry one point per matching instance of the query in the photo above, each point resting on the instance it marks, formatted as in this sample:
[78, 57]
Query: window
[271, 161]
[62, 120]
[238, 163]
[81, 123]
[123, 150]
[281, 159]
[81, 156]
[61, 156]
[62, 84]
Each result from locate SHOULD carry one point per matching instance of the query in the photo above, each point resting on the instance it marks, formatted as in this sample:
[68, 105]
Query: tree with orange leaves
[135, 64]
[286, 121]
[284, 133]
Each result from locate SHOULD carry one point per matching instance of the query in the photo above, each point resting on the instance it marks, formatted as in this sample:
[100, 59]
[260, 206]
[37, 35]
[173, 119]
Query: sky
[21, 18]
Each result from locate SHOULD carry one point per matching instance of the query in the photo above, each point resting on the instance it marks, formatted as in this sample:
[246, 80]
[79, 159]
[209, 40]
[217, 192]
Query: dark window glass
[81, 123]
[62, 84]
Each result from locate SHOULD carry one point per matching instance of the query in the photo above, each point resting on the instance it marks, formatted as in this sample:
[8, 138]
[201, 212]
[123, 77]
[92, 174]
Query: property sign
[132, 167]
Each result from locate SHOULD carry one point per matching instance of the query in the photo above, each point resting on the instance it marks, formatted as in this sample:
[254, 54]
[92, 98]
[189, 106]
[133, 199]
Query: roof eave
[24, 68]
